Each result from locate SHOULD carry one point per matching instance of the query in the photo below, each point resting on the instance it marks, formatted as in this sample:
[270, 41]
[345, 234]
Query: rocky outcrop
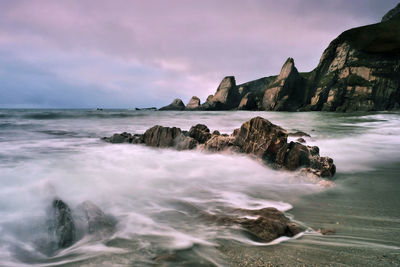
[359, 71]
[177, 104]
[258, 137]
[287, 91]
[227, 96]
[194, 103]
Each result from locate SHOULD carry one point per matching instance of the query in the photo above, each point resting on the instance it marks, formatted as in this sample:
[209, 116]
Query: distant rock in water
[358, 71]
[258, 137]
[177, 104]
[194, 103]
[62, 226]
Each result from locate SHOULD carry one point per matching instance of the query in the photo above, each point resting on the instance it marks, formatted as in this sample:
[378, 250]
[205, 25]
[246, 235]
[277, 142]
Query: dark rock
[194, 103]
[301, 140]
[227, 96]
[216, 132]
[263, 139]
[268, 225]
[62, 226]
[299, 134]
[200, 133]
[326, 231]
[287, 91]
[159, 136]
[393, 13]
[95, 221]
[177, 104]
[248, 102]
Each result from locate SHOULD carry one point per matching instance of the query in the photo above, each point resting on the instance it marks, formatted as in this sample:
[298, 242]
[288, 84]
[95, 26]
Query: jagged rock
[287, 91]
[200, 133]
[177, 104]
[395, 12]
[95, 221]
[227, 96]
[263, 139]
[194, 103]
[61, 225]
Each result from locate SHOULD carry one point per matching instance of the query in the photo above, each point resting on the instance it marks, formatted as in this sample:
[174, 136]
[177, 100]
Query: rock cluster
[258, 137]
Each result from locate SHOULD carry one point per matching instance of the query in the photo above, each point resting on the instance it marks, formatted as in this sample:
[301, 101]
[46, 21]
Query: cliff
[359, 71]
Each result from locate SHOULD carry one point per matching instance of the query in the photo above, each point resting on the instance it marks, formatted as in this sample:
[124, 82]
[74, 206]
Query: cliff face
[359, 71]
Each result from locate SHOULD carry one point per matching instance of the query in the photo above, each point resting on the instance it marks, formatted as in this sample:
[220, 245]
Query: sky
[127, 54]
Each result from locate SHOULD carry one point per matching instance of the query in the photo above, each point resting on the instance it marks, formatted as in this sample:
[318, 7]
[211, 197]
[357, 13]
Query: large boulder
[194, 103]
[159, 136]
[61, 225]
[263, 139]
[177, 104]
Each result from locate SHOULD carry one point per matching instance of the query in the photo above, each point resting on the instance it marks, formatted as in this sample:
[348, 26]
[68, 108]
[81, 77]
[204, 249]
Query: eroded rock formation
[359, 71]
[258, 137]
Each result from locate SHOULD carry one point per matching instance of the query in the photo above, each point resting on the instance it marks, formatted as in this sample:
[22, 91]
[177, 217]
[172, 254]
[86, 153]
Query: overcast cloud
[87, 54]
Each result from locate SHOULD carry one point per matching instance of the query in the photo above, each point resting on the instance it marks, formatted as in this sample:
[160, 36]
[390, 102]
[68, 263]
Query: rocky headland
[359, 71]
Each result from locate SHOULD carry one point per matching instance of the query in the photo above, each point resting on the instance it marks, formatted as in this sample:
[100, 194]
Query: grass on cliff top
[382, 37]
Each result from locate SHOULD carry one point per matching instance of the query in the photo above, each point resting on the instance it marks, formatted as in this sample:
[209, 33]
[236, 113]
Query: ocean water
[156, 194]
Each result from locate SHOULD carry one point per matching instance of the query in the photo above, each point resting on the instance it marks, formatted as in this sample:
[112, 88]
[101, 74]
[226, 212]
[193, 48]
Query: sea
[156, 195]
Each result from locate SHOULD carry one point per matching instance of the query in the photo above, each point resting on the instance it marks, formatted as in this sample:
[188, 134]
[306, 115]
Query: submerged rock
[264, 224]
[258, 137]
[94, 220]
[177, 104]
[62, 226]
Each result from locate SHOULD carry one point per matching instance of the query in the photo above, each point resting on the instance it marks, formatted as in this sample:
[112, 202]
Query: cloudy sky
[126, 54]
